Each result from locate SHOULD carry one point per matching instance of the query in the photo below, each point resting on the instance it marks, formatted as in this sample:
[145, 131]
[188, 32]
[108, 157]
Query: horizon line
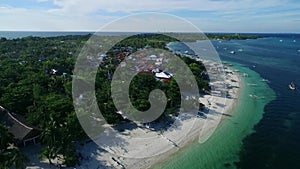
[92, 31]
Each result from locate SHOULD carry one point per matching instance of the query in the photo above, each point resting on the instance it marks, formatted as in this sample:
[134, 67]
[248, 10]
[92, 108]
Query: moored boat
[292, 86]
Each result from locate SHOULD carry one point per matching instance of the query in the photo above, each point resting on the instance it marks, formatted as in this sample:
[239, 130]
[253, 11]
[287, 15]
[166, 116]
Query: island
[36, 86]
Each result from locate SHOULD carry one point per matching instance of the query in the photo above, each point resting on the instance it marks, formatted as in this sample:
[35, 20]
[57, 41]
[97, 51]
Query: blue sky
[209, 15]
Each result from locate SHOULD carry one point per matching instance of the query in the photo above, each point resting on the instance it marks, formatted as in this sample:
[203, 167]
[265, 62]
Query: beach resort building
[17, 125]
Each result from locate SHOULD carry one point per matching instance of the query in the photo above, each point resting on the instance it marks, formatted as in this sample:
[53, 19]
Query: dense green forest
[192, 37]
[29, 87]
[36, 82]
[232, 36]
[142, 84]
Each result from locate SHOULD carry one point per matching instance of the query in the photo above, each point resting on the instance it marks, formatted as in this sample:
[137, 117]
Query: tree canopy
[36, 82]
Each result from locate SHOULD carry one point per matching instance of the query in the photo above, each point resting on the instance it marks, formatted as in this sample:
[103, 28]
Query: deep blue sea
[275, 140]
[275, 144]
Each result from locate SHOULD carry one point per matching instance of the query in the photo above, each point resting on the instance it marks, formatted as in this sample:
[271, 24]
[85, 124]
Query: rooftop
[18, 126]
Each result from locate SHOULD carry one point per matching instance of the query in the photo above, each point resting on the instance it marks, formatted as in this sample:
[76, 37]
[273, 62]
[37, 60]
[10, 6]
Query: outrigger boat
[292, 86]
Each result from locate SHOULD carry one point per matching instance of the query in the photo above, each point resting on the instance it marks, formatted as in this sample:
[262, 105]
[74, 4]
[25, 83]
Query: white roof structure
[163, 75]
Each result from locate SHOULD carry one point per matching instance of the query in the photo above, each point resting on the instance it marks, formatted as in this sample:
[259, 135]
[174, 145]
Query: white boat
[292, 86]
[265, 80]
[232, 52]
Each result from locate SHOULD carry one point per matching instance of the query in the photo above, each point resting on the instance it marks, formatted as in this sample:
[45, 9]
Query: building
[163, 75]
[17, 125]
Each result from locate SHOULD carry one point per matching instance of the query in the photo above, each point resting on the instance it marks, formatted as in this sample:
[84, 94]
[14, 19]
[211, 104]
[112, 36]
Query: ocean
[275, 143]
[262, 133]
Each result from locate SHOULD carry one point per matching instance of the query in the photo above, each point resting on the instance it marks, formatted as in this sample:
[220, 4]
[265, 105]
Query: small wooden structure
[22, 131]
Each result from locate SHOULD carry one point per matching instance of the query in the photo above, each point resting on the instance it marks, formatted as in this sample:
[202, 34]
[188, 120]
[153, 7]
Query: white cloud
[150, 22]
[24, 19]
[88, 6]
[92, 14]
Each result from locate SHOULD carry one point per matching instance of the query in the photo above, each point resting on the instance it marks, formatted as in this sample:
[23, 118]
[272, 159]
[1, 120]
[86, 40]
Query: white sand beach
[142, 147]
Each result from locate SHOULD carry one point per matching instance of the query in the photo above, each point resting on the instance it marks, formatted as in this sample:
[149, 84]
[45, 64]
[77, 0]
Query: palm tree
[17, 158]
[49, 138]
[10, 155]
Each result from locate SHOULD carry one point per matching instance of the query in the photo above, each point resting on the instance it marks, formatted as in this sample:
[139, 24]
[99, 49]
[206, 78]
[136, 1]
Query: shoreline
[192, 142]
[158, 147]
[224, 147]
[153, 163]
[111, 155]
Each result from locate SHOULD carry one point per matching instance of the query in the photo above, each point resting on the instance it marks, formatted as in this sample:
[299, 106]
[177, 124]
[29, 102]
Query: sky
[262, 16]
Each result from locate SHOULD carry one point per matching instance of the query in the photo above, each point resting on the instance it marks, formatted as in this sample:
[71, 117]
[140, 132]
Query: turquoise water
[222, 149]
[275, 142]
